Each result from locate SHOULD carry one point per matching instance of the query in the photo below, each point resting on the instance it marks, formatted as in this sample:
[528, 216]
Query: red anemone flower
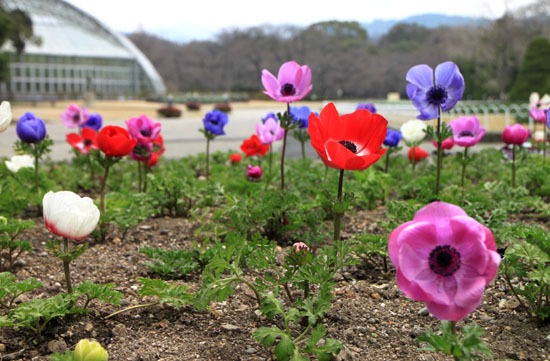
[158, 145]
[83, 142]
[153, 159]
[253, 146]
[115, 141]
[351, 141]
[419, 154]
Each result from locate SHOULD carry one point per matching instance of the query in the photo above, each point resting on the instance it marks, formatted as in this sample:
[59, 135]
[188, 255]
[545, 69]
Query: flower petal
[421, 76]
[288, 73]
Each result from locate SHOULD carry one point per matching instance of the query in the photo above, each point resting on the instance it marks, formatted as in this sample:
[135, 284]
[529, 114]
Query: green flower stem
[439, 158]
[283, 153]
[139, 176]
[297, 339]
[453, 327]
[253, 288]
[338, 215]
[91, 166]
[326, 174]
[303, 150]
[387, 161]
[131, 308]
[146, 168]
[413, 159]
[66, 266]
[513, 166]
[207, 158]
[36, 156]
[544, 144]
[103, 183]
[270, 157]
[464, 160]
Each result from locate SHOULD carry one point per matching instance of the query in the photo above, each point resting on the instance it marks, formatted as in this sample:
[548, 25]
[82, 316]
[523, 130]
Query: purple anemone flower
[214, 122]
[548, 119]
[369, 106]
[392, 138]
[143, 128]
[94, 121]
[300, 114]
[428, 94]
[30, 129]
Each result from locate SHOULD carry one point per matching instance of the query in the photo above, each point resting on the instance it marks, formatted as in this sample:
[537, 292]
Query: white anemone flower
[20, 161]
[413, 132]
[5, 116]
[68, 215]
[536, 101]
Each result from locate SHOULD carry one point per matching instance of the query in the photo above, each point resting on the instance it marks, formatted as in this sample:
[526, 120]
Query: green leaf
[267, 335]
[285, 348]
[173, 294]
[528, 251]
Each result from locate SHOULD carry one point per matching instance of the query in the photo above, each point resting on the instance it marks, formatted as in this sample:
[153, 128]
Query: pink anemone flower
[515, 134]
[467, 131]
[270, 131]
[445, 259]
[73, 117]
[292, 83]
[143, 129]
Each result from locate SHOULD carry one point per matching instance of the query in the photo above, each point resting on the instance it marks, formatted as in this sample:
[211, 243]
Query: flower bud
[89, 351]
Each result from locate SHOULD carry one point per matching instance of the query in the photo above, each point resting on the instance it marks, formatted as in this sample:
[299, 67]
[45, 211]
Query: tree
[534, 74]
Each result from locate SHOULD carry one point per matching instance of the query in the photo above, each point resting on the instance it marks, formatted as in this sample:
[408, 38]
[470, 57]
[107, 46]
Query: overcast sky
[198, 18]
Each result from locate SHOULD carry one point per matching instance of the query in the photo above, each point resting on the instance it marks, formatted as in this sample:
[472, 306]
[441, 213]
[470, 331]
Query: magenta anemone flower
[292, 83]
[270, 131]
[538, 115]
[515, 134]
[428, 94]
[467, 131]
[445, 259]
[548, 119]
[254, 172]
[143, 129]
[73, 117]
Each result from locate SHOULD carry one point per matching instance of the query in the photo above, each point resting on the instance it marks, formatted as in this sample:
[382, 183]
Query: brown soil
[369, 314]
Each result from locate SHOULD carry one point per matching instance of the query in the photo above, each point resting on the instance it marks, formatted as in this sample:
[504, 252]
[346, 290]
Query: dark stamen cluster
[465, 133]
[288, 89]
[444, 260]
[87, 142]
[437, 95]
[349, 145]
[146, 132]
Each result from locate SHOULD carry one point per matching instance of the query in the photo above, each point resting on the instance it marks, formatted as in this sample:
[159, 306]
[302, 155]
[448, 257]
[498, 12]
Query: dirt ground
[369, 314]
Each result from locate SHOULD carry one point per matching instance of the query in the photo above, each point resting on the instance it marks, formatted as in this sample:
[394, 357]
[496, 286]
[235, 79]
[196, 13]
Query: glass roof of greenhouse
[65, 30]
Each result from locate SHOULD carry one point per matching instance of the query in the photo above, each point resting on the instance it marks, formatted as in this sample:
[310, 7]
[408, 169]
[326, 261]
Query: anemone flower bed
[215, 257]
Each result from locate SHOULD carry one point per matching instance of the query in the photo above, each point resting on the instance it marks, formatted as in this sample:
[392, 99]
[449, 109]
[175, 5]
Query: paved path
[182, 138]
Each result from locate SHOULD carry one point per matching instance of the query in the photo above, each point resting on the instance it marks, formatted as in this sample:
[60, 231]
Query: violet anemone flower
[392, 138]
[74, 117]
[428, 94]
[269, 115]
[369, 106]
[292, 83]
[301, 115]
[214, 122]
[445, 259]
[30, 129]
[270, 131]
[467, 131]
[94, 122]
[143, 129]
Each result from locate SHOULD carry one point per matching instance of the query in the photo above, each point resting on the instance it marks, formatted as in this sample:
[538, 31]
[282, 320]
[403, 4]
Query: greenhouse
[75, 53]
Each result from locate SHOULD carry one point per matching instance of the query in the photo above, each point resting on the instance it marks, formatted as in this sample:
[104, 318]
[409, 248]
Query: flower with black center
[350, 141]
[293, 82]
[214, 122]
[74, 117]
[83, 142]
[445, 259]
[467, 131]
[430, 91]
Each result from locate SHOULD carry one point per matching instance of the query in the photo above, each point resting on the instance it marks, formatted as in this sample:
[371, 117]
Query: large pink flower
[467, 131]
[515, 134]
[269, 131]
[73, 117]
[143, 129]
[292, 83]
[445, 259]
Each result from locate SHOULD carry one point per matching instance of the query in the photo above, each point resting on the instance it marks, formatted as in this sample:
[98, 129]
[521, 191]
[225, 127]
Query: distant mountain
[377, 28]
